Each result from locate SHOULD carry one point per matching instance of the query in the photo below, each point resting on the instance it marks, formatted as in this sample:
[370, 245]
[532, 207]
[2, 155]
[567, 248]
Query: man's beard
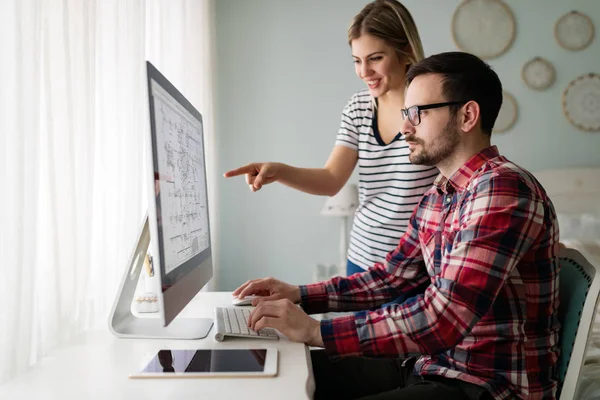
[437, 151]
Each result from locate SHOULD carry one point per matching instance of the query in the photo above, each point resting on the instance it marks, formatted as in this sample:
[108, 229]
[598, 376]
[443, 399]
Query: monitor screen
[181, 202]
[179, 217]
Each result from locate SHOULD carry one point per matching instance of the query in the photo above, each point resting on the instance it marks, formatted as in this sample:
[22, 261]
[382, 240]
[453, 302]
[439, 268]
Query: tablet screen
[199, 361]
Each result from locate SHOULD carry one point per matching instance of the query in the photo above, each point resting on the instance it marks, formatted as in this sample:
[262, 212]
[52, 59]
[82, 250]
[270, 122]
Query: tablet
[214, 363]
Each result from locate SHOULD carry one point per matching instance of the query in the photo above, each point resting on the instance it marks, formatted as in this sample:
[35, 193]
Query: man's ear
[469, 116]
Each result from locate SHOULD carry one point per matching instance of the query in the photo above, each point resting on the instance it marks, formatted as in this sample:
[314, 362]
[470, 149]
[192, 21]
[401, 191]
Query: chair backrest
[579, 294]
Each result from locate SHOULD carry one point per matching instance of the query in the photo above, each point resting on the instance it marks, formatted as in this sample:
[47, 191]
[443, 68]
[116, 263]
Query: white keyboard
[234, 322]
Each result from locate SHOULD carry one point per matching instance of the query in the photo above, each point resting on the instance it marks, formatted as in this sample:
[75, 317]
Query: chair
[579, 293]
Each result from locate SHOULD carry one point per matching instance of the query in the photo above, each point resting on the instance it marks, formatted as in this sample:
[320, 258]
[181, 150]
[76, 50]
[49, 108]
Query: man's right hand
[268, 289]
[257, 174]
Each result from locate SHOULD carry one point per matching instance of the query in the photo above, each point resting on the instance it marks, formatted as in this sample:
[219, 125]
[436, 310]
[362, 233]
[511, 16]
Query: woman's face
[378, 65]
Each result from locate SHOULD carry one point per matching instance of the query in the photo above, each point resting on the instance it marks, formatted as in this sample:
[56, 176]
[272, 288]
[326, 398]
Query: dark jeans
[352, 268]
[384, 379]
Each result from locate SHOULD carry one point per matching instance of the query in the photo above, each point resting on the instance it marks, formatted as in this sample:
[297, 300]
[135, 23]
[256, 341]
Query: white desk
[97, 366]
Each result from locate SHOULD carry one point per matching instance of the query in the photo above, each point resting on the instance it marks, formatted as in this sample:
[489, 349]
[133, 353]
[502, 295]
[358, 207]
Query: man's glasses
[414, 113]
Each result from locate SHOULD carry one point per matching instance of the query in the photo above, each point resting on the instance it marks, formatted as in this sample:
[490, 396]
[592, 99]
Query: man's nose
[407, 128]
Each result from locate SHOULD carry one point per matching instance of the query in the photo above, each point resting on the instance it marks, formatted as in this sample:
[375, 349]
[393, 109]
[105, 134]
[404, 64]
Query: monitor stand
[123, 323]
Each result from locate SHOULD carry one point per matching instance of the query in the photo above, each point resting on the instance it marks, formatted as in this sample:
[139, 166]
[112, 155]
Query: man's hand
[268, 289]
[288, 319]
[257, 174]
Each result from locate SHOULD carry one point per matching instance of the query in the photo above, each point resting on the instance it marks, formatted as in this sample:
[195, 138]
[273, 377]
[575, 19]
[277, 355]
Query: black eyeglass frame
[406, 113]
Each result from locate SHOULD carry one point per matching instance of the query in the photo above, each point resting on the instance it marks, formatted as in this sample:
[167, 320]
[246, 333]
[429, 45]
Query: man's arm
[403, 270]
[499, 224]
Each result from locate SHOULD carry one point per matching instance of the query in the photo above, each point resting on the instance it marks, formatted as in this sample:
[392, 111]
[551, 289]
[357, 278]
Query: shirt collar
[459, 180]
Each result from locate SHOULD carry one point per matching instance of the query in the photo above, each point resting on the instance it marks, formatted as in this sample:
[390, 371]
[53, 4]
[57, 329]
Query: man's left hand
[288, 319]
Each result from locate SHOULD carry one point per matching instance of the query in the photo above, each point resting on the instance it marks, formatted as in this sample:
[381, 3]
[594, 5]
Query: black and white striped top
[389, 188]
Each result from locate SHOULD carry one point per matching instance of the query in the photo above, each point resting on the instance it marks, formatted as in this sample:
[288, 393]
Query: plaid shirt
[486, 241]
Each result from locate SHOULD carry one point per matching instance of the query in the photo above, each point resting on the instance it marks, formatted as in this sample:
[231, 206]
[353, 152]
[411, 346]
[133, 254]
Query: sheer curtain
[180, 42]
[73, 129]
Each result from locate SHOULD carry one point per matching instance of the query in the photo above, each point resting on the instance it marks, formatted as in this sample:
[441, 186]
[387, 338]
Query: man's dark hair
[465, 77]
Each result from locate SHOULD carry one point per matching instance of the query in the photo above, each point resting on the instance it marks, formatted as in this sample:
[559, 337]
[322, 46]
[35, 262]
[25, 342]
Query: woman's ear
[470, 116]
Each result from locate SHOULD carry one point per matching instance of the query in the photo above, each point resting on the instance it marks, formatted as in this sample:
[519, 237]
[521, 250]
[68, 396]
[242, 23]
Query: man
[484, 237]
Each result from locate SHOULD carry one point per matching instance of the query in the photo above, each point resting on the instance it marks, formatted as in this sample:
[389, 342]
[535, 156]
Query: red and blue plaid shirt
[486, 241]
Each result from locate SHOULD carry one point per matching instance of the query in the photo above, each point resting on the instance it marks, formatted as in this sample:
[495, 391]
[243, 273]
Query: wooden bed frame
[573, 191]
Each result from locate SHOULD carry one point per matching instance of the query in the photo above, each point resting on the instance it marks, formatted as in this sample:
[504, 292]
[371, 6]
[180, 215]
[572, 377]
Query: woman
[384, 42]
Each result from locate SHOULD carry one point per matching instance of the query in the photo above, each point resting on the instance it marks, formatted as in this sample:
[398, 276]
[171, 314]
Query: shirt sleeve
[402, 271]
[348, 133]
[500, 221]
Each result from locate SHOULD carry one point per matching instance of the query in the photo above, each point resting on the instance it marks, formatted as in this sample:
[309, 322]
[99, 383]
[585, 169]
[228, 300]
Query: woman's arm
[320, 181]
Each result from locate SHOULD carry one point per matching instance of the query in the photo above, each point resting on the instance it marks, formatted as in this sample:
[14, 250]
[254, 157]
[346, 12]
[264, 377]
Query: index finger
[266, 309]
[237, 291]
[254, 287]
[246, 169]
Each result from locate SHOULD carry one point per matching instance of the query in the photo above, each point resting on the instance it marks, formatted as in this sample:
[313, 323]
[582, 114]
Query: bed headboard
[573, 191]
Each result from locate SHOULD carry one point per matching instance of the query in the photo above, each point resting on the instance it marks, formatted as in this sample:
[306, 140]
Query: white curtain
[73, 128]
[180, 43]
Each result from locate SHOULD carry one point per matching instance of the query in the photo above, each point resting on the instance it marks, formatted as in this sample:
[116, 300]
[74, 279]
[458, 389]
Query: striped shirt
[389, 188]
[486, 241]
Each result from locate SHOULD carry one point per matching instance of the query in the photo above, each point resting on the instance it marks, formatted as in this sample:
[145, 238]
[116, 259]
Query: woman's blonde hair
[389, 20]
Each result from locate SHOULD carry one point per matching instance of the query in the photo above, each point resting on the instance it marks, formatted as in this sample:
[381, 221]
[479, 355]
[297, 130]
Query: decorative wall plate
[508, 113]
[485, 28]
[581, 102]
[574, 31]
[538, 73]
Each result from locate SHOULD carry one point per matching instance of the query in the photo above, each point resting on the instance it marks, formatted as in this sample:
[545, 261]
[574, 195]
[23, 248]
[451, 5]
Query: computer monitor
[176, 226]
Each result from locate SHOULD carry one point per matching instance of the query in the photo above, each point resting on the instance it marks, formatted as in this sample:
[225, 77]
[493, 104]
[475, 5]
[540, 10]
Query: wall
[284, 74]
